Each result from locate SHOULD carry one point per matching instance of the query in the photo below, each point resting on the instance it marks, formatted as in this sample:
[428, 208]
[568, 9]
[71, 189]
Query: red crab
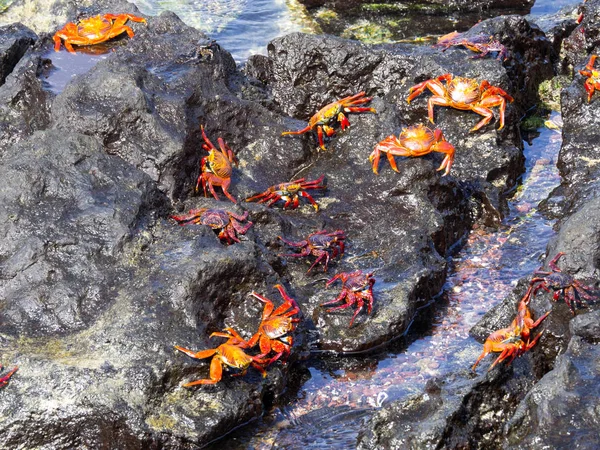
[5, 378]
[215, 169]
[592, 82]
[275, 324]
[357, 288]
[417, 140]
[334, 111]
[231, 353]
[321, 244]
[94, 30]
[574, 292]
[514, 340]
[463, 93]
[218, 219]
[481, 43]
[290, 193]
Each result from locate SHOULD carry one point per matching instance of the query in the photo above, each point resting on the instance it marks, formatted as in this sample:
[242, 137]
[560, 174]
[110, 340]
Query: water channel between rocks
[330, 407]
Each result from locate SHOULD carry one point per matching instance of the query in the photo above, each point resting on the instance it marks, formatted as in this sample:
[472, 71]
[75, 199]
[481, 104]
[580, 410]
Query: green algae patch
[533, 123]
[549, 92]
[368, 33]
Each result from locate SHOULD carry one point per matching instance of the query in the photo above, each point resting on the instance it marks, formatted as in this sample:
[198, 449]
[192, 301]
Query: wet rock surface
[548, 397]
[99, 284]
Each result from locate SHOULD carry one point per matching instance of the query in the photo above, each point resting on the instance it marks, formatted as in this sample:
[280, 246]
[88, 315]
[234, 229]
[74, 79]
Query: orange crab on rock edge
[275, 323]
[94, 30]
[334, 111]
[592, 82]
[463, 93]
[516, 339]
[231, 354]
[215, 169]
[417, 140]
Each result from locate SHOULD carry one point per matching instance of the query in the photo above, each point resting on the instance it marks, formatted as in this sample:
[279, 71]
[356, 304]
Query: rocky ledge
[548, 398]
[98, 283]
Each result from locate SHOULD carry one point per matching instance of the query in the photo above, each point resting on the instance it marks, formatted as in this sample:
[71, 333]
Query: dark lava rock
[14, 42]
[100, 284]
[24, 104]
[562, 409]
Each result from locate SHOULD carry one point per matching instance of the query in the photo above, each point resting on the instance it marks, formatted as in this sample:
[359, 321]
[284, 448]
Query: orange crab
[94, 30]
[218, 219]
[334, 111]
[574, 292]
[290, 192]
[271, 334]
[5, 378]
[215, 169]
[321, 244]
[357, 288]
[514, 340]
[417, 140]
[463, 93]
[592, 82]
[231, 353]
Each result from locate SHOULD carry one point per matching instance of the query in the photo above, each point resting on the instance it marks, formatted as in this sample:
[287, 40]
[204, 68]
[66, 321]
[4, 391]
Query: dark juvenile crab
[574, 292]
[218, 219]
[481, 44]
[357, 288]
[322, 244]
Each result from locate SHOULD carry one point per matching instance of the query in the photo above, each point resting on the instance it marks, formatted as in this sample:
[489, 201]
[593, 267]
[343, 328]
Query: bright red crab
[417, 140]
[592, 82]
[231, 354]
[463, 93]
[5, 378]
[229, 223]
[574, 292]
[215, 169]
[357, 288]
[94, 30]
[322, 244]
[290, 192]
[481, 44]
[516, 339]
[334, 111]
[274, 325]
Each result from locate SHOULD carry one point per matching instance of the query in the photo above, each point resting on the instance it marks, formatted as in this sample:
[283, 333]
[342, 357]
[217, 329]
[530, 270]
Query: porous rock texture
[548, 398]
[98, 283]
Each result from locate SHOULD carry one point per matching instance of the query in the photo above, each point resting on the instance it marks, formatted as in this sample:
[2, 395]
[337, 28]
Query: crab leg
[4, 380]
